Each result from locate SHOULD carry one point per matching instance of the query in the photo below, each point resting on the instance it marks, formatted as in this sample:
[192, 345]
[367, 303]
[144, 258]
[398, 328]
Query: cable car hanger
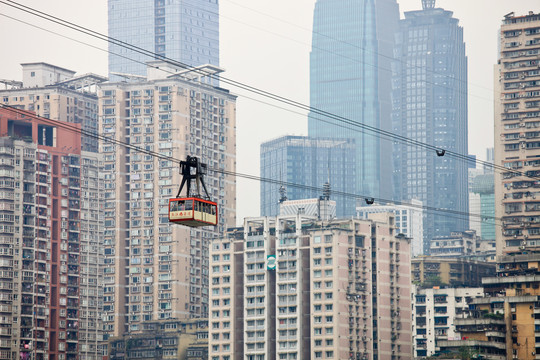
[192, 162]
[194, 210]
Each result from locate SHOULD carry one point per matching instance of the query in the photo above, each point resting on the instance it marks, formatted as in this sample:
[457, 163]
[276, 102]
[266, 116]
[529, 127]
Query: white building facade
[434, 312]
[409, 221]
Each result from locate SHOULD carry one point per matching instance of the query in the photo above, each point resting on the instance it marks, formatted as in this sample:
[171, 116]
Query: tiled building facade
[51, 297]
[291, 287]
[517, 88]
[154, 270]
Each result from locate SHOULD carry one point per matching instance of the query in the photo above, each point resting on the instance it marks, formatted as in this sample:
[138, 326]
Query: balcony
[471, 343]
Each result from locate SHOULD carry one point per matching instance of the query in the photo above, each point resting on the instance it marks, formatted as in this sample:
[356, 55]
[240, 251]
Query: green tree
[432, 280]
[468, 353]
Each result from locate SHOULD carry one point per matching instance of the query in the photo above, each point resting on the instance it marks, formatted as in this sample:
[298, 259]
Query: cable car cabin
[193, 212]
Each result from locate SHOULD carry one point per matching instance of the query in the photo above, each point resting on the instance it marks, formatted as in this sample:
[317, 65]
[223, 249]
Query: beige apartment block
[294, 287]
[155, 270]
[517, 134]
[57, 93]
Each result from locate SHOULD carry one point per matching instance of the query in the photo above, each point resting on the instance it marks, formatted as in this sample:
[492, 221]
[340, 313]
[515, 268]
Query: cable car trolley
[193, 210]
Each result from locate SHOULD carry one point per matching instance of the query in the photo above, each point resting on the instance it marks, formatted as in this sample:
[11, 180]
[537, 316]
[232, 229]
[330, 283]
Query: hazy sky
[265, 44]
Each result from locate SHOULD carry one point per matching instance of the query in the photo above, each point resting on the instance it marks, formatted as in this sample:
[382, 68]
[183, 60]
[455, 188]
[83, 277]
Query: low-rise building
[431, 271]
[434, 313]
[483, 331]
[166, 339]
[507, 318]
[458, 243]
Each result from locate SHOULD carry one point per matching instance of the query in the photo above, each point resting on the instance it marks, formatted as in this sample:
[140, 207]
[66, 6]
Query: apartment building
[505, 323]
[456, 244]
[483, 332]
[50, 288]
[322, 208]
[453, 272]
[434, 314]
[155, 270]
[409, 221]
[293, 287]
[57, 93]
[517, 144]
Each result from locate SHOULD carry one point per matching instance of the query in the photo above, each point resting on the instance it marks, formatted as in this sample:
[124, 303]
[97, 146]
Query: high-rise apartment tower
[517, 140]
[153, 269]
[292, 287]
[430, 106]
[50, 232]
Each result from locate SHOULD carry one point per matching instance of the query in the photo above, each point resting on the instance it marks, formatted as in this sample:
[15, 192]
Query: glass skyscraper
[430, 105]
[350, 76]
[183, 30]
[310, 162]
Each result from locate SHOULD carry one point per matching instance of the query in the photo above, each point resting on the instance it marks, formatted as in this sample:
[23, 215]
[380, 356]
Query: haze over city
[266, 45]
[229, 179]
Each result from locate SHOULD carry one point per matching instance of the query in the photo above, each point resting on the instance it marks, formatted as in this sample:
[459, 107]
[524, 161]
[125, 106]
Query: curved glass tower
[350, 76]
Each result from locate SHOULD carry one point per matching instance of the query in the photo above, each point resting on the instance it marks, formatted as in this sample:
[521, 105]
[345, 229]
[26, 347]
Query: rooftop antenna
[326, 191]
[323, 203]
[509, 15]
[428, 4]
[326, 187]
[282, 190]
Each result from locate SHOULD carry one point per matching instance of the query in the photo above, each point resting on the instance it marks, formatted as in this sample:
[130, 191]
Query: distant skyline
[265, 45]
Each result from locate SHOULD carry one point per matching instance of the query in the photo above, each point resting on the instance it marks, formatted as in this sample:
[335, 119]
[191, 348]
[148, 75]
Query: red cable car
[193, 210]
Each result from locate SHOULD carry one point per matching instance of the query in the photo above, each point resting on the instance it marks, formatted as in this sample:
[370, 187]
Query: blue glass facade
[186, 31]
[484, 185]
[350, 77]
[310, 162]
[430, 105]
